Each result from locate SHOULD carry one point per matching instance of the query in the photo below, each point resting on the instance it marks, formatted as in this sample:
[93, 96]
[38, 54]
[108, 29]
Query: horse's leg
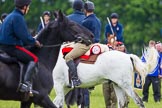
[80, 99]
[121, 96]
[59, 90]
[26, 104]
[72, 96]
[129, 90]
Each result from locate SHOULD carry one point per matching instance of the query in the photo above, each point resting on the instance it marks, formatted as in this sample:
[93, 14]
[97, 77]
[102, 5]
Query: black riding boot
[73, 72]
[27, 85]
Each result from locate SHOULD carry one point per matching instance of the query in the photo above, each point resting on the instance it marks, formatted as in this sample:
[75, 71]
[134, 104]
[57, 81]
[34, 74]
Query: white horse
[111, 65]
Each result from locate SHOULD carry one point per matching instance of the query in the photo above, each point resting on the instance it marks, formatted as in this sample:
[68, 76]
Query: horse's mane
[84, 29]
[43, 34]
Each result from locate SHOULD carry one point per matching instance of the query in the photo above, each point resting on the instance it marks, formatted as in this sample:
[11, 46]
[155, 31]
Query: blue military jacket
[92, 23]
[14, 30]
[160, 70]
[118, 30]
[77, 16]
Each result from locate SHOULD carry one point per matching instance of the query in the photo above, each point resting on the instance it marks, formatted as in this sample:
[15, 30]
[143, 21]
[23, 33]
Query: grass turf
[96, 99]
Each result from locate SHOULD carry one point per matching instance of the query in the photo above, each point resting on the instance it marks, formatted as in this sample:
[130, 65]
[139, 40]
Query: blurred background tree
[142, 19]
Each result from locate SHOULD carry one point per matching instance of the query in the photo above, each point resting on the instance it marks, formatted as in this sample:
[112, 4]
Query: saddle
[4, 57]
[91, 55]
[7, 59]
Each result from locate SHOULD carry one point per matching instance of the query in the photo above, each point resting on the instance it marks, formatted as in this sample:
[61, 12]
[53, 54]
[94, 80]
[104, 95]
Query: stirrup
[31, 91]
[22, 87]
[28, 89]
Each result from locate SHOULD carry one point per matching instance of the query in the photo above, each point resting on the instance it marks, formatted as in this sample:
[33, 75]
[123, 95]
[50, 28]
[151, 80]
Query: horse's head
[50, 34]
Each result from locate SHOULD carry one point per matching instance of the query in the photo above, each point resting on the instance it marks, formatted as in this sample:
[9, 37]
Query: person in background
[160, 72]
[91, 21]
[45, 20]
[14, 36]
[78, 14]
[116, 31]
[113, 29]
[81, 46]
[153, 77]
[108, 90]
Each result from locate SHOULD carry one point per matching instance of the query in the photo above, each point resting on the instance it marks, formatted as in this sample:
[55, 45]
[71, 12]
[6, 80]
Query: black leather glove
[87, 42]
[82, 40]
[79, 39]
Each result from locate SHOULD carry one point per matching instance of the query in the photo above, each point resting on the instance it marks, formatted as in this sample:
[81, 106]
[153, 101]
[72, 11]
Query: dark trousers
[86, 98]
[23, 55]
[160, 88]
[154, 80]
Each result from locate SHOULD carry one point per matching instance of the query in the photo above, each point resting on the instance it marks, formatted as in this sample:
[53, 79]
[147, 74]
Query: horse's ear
[61, 16]
[55, 13]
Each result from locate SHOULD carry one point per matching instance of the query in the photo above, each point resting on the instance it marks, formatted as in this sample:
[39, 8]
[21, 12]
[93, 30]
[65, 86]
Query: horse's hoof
[26, 96]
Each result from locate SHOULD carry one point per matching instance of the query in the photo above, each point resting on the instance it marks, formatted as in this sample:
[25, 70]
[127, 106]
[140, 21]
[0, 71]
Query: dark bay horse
[51, 37]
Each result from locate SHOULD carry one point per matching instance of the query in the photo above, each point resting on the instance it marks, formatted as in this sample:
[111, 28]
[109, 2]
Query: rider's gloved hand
[79, 39]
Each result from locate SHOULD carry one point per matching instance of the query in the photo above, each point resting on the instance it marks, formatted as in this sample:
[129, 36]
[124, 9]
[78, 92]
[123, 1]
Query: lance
[110, 25]
[42, 22]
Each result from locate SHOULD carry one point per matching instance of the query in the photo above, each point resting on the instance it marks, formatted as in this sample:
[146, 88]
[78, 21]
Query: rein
[48, 46]
[45, 46]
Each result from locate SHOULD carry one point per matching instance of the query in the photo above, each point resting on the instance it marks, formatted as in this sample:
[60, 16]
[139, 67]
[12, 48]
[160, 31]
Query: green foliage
[141, 18]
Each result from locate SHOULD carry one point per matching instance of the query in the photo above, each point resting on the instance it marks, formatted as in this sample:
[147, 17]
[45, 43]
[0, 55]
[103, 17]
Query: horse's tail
[74, 96]
[143, 68]
[70, 98]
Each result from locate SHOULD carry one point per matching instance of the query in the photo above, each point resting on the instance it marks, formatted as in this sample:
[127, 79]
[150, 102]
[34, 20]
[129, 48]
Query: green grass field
[97, 100]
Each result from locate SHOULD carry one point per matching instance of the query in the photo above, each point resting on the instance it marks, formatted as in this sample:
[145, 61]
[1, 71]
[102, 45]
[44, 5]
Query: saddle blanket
[95, 49]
